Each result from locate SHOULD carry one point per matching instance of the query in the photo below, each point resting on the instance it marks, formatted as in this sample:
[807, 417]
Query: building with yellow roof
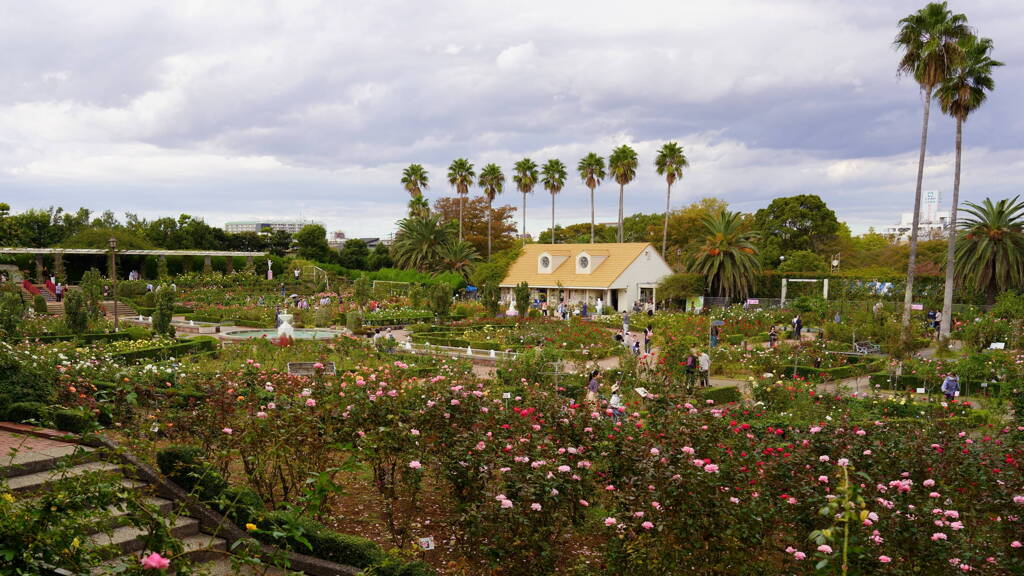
[609, 276]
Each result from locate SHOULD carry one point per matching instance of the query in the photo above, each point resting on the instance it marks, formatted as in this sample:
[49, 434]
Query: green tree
[622, 166]
[553, 176]
[669, 163]
[441, 299]
[312, 241]
[379, 258]
[525, 177]
[91, 286]
[460, 176]
[990, 247]
[685, 226]
[164, 312]
[75, 316]
[802, 222]
[522, 296]
[492, 182]
[279, 242]
[419, 241]
[474, 222]
[727, 256]
[803, 261]
[929, 40]
[12, 311]
[962, 92]
[354, 254]
[456, 256]
[591, 171]
[490, 297]
[415, 180]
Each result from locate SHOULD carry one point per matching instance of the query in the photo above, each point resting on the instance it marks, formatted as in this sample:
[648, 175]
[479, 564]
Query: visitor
[773, 336]
[149, 287]
[3, 277]
[636, 348]
[627, 340]
[544, 308]
[648, 336]
[281, 287]
[931, 318]
[704, 364]
[937, 323]
[837, 318]
[593, 384]
[584, 312]
[296, 273]
[691, 369]
[615, 406]
[59, 291]
[714, 335]
[106, 292]
[277, 316]
[798, 325]
[599, 308]
[950, 386]
[625, 321]
[876, 310]
[260, 301]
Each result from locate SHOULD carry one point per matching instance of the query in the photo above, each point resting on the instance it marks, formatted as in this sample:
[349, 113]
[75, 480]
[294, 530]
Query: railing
[317, 272]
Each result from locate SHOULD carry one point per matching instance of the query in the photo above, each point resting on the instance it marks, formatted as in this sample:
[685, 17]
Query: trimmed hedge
[721, 394]
[75, 421]
[327, 544]
[183, 465]
[912, 382]
[85, 338]
[22, 411]
[196, 345]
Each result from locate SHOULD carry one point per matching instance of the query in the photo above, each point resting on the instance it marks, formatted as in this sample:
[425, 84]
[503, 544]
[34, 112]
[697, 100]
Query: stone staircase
[31, 472]
[123, 310]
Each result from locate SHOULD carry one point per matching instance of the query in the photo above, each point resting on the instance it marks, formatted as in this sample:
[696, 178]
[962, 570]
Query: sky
[268, 110]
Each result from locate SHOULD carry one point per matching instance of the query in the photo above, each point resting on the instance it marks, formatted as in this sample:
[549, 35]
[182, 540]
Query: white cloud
[518, 56]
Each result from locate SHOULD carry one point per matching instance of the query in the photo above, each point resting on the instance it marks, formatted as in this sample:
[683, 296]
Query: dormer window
[584, 262]
[545, 262]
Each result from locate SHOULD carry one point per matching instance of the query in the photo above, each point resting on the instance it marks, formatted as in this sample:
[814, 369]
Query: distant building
[336, 239]
[933, 224]
[267, 226]
[618, 274]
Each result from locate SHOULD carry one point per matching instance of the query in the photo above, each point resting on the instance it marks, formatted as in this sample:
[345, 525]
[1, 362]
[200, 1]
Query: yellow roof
[617, 257]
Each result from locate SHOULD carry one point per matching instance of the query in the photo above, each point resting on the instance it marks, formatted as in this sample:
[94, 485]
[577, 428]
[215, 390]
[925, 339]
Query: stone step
[224, 567]
[128, 539]
[197, 547]
[35, 460]
[39, 481]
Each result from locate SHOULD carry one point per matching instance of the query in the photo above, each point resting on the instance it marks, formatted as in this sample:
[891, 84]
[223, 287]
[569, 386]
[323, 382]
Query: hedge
[85, 338]
[721, 394]
[886, 381]
[76, 421]
[325, 543]
[196, 345]
[22, 411]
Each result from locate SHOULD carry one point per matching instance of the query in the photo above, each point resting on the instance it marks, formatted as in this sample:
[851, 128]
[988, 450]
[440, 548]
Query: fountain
[285, 328]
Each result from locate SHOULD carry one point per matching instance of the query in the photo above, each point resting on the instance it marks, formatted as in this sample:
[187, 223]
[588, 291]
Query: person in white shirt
[704, 365]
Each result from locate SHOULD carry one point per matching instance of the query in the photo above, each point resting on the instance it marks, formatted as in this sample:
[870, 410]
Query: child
[615, 403]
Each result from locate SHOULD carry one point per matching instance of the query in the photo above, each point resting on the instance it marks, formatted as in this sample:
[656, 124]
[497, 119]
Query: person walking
[715, 332]
[625, 321]
[593, 385]
[704, 365]
[773, 336]
[691, 370]
[648, 338]
[59, 291]
[798, 325]
[950, 386]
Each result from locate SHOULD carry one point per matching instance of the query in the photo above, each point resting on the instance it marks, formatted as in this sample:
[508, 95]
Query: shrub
[522, 295]
[137, 333]
[76, 317]
[394, 565]
[39, 305]
[75, 420]
[22, 411]
[12, 309]
[183, 466]
[721, 394]
[353, 321]
[441, 299]
[325, 543]
[164, 312]
[241, 504]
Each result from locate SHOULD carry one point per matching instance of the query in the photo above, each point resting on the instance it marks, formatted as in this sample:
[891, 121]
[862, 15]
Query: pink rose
[584, 503]
[609, 521]
[825, 549]
[310, 402]
[536, 507]
[228, 431]
[884, 559]
[506, 503]
[647, 525]
[155, 562]
[799, 555]
[415, 465]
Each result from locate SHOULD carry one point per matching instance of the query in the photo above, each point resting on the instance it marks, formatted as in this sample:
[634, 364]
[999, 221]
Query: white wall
[645, 271]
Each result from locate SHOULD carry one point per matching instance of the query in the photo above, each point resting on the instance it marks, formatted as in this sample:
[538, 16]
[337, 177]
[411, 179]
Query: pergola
[59, 253]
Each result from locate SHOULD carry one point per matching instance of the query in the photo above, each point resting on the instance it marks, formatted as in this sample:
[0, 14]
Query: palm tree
[553, 176]
[591, 171]
[929, 40]
[460, 176]
[963, 92]
[415, 180]
[990, 249]
[622, 167]
[456, 256]
[492, 181]
[669, 163]
[525, 178]
[727, 255]
[420, 240]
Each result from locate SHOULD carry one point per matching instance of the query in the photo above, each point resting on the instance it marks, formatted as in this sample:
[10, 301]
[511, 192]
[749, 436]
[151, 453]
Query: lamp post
[113, 277]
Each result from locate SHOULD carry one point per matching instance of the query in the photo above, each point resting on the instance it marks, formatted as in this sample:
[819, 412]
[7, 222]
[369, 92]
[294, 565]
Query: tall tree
[460, 176]
[726, 255]
[420, 241]
[929, 40]
[525, 177]
[622, 168]
[669, 163]
[504, 224]
[492, 182]
[990, 249]
[591, 171]
[415, 180]
[553, 176]
[960, 94]
[312, 241]
[790, 223]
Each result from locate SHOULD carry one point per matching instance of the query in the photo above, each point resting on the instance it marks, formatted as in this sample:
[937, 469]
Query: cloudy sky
[258, 109]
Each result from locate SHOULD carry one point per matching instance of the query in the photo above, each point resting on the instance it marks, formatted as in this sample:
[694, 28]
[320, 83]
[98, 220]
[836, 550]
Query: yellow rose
[8, 497]
[251, 527]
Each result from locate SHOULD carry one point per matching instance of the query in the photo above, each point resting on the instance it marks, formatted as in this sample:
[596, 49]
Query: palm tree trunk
[622, 190]
[489, 210]
[591, 215]
[912, 259]
[553, 240]
[460, 216]
[947, 294]
[664, 232]
[524, 217]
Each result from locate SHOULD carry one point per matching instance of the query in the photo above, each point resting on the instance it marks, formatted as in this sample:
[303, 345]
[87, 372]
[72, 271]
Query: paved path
[18, 449]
